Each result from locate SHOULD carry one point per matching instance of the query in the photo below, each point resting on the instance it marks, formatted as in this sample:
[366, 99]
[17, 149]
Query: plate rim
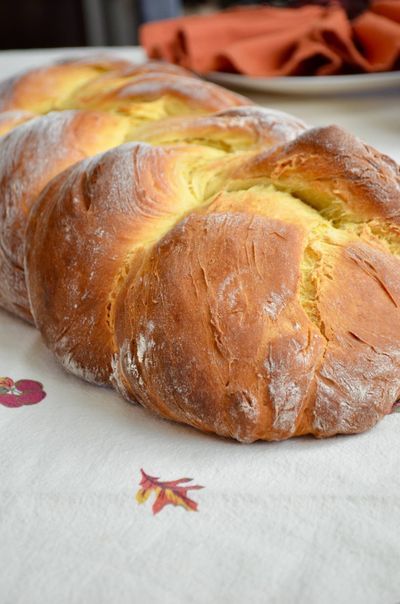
[359, 77]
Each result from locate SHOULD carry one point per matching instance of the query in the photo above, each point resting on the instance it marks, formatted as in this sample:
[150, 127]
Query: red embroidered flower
[167, 493]
[23, 392]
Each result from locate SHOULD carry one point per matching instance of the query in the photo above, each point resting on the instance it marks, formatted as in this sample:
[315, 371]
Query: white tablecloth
[303, 521]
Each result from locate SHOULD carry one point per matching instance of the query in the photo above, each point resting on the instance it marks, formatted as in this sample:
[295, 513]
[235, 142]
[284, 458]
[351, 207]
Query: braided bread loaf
[233, 271]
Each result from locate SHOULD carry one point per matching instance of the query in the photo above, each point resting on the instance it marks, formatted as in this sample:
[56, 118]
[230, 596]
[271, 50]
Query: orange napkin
[269, 41]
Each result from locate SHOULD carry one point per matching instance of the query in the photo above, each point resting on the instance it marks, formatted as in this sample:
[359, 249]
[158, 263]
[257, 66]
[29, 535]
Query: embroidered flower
[396, 407]
[23, 392]
[171, 492]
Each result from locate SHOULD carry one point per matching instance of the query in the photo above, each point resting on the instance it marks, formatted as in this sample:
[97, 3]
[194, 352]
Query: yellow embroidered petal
[142, 495]
[176, 500]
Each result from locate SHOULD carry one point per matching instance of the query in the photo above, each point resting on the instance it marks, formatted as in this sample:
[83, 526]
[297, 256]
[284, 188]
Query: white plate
[311, 84]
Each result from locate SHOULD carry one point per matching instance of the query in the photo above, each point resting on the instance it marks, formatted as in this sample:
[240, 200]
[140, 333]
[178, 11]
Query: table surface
[302, 521]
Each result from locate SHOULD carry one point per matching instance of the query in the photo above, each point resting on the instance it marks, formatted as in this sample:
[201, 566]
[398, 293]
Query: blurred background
[59, 23]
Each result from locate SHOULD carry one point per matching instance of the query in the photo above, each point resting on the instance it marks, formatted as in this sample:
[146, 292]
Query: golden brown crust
[348, 359]
[248, 318]
[212, 332]
[30, 156]
[359, 378]
[130, 69]
[242, 279]
[41, 89]
[232, 129]
[217, 282]
[125, 68]
[95, 214]
[103, 83]
[92, 217]
[335, 171]
[101, 61]
[181, 93]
